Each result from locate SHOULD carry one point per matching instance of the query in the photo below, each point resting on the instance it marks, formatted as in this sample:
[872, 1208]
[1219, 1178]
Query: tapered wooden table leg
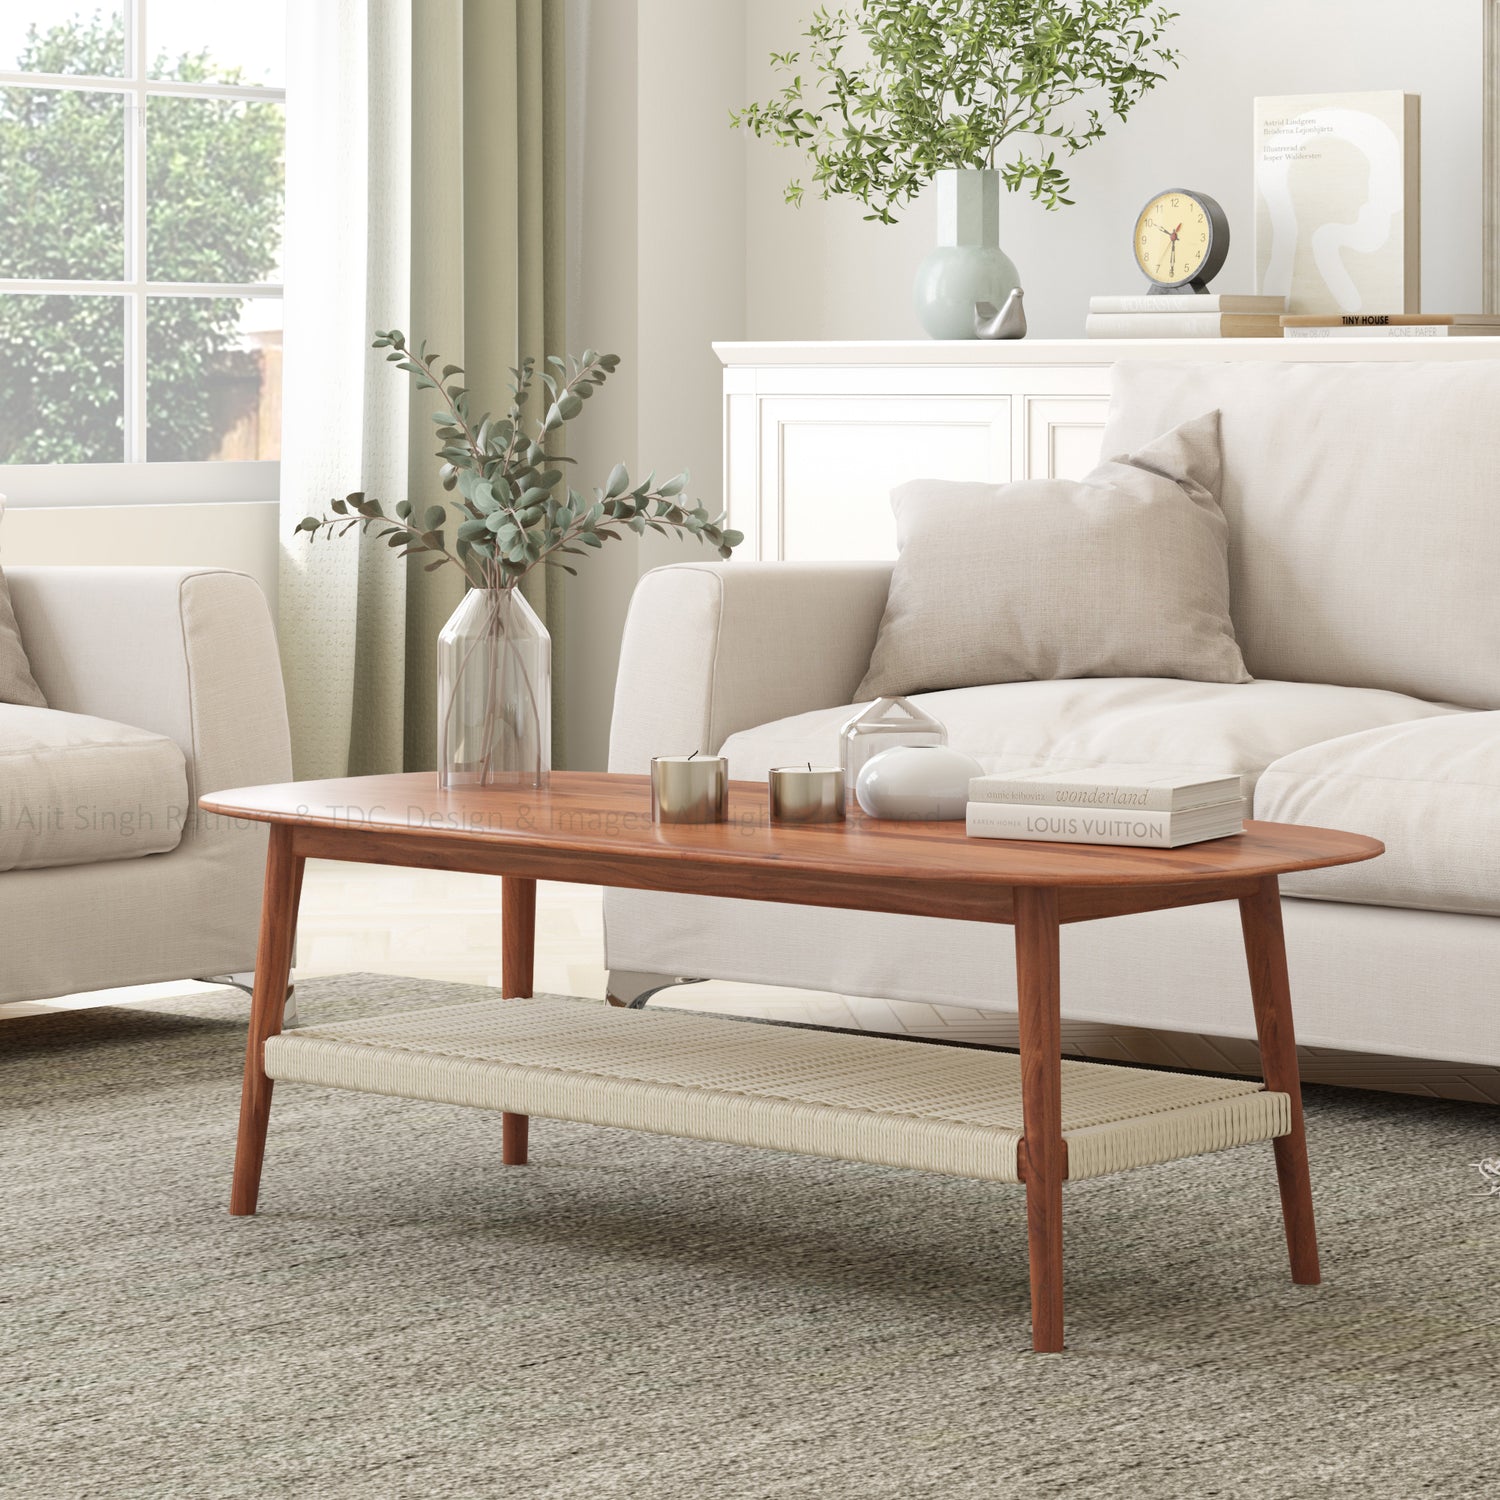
[517, 959]
[273, 967]
[1270, 990]
[1038, 990]
[514, 1131]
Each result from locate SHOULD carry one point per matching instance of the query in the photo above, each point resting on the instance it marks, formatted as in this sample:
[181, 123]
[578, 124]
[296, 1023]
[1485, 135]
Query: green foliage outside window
[214, 184]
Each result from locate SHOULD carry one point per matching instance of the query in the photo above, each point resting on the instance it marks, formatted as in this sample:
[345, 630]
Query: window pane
[62, 184]
[242, 43]
[62, 380]
[215, 179]
[213, 378]
[62, 36]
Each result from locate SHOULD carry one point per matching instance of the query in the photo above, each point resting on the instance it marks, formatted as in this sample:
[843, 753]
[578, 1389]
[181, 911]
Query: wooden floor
[440, 925]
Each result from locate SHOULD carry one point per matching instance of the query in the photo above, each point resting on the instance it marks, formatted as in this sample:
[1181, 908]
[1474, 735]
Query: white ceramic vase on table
[917, 783]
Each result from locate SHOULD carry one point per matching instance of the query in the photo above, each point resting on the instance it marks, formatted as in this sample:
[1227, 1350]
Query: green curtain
[503, 60]
[455, 110]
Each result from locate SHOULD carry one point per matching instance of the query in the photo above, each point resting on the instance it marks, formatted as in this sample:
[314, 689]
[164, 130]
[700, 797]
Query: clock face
[1173, 238]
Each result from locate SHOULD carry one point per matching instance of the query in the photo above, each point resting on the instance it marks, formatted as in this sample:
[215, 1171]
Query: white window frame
[136, 481]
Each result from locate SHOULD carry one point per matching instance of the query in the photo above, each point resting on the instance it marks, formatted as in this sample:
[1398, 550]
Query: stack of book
[1390, 325]
[1189, 315]
[1137, 805]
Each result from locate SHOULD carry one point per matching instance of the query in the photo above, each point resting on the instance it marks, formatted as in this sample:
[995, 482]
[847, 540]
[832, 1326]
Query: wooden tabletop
[590, 827]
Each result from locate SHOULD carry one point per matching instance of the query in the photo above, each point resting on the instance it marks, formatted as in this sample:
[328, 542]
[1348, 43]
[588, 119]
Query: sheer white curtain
[344, 422]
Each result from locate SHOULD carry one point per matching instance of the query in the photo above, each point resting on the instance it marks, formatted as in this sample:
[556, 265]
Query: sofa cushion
[1430, 790]
[75, 790]
[1361, 499]
[1101, 720]
[1124, 573]
[17, 685]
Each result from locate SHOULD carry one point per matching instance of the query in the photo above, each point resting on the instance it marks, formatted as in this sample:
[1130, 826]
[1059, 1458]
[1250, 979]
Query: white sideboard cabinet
[817, 434]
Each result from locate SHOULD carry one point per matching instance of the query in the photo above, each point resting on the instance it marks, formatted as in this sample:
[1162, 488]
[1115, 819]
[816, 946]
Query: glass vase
[494, 693]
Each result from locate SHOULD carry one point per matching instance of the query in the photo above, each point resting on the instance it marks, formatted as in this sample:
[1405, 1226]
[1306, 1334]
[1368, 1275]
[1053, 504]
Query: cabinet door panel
[1062, 435]
[828, 466]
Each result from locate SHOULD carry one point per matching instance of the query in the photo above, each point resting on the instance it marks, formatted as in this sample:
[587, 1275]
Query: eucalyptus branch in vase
[514, 513]
[511, 513]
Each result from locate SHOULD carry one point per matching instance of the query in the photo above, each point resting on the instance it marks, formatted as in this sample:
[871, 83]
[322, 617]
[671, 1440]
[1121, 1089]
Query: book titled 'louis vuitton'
[1109, 825]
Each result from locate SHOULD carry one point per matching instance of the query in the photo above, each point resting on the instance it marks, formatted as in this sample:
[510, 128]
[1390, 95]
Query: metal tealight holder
[689, 788]
[807, 794]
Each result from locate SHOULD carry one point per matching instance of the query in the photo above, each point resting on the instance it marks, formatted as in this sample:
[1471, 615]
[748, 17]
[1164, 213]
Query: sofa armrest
[713, 648]
[189, 653]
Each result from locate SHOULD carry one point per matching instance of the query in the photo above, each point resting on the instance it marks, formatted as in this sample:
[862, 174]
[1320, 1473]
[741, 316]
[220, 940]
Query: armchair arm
[713, 648]
[189, 653]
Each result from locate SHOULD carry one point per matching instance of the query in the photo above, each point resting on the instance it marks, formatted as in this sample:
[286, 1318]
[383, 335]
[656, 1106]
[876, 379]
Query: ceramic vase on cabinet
[494, 693]
[968, 266]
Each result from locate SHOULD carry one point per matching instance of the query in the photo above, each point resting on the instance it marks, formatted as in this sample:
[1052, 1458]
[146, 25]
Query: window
[141, 200]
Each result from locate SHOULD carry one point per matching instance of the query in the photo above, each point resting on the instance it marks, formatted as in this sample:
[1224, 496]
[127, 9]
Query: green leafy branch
[948, 82]
[513, 511]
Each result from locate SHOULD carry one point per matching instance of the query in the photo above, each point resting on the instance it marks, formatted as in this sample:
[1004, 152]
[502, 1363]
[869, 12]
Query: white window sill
[236, 482]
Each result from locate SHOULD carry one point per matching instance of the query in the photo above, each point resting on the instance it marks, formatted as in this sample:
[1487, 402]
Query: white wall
[602, 313]
[822, 272]
[690, 246]
[659, 237]
[240, 536]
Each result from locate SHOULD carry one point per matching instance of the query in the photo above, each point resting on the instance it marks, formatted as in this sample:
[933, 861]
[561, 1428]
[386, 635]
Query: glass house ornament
[879, 726]
[494, 693]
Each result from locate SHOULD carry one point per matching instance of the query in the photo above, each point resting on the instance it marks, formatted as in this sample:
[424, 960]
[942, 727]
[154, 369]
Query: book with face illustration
[1337, 201]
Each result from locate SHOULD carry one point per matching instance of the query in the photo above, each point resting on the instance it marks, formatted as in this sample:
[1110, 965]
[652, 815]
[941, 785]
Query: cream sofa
[1364, 504]
[161, 684]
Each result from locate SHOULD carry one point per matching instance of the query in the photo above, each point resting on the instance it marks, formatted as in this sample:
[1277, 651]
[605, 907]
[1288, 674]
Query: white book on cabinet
[1337, 201]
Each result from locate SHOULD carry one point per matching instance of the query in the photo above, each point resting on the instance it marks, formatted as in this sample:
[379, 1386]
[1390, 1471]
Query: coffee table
[1035, 1120]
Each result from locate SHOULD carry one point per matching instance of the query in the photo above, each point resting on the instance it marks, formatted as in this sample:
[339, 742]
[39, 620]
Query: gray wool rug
[645, 1317]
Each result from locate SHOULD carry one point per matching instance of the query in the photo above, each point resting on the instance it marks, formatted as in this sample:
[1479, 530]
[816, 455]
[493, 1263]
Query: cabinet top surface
[1097, 351]
[598, 816]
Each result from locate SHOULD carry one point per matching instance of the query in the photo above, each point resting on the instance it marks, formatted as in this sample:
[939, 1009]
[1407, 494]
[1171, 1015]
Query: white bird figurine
[1009, 322]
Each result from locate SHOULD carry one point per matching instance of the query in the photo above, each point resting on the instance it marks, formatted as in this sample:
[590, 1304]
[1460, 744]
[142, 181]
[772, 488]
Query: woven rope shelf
[854, 1098]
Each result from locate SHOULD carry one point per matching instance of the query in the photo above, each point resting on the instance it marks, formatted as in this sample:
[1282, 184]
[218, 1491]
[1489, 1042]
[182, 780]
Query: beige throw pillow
[16, 682]
[1124, 573]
